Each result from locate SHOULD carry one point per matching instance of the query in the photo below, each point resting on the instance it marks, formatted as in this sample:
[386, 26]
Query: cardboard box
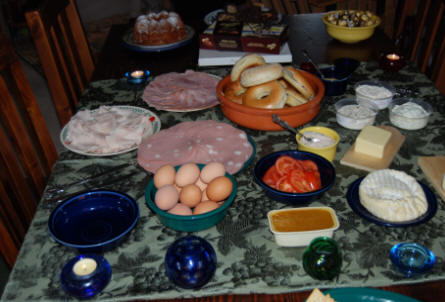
[252, 38]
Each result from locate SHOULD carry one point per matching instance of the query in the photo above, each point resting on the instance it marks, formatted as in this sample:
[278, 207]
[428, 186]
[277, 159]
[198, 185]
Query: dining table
[250, 265]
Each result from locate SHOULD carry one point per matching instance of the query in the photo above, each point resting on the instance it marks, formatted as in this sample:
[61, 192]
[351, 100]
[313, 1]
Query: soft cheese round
[392, 195]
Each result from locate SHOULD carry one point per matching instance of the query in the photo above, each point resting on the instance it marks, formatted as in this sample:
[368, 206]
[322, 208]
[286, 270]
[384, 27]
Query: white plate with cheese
[355, 204]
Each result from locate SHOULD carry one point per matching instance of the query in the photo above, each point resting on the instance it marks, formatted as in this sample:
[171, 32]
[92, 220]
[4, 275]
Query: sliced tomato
[284, 185]
[312, 181]
[308, 164]
[271, 177]
[296, 180]
[284, 164]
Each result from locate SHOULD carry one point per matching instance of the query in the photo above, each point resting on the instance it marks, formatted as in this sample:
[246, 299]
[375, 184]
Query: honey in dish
[302, 220]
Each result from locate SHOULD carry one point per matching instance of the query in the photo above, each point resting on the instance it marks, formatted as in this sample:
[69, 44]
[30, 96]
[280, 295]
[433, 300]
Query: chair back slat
[421, 37]
[27, 154]
[63, 50]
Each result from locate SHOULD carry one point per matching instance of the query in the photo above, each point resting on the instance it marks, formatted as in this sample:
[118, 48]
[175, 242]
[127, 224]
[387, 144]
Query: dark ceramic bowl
[336, 76]
[93, 221]
[326, 169]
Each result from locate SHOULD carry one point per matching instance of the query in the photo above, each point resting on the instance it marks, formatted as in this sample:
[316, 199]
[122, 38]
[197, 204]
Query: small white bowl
[409, 113]
[297, 229]
[353, 115]
[375, 92]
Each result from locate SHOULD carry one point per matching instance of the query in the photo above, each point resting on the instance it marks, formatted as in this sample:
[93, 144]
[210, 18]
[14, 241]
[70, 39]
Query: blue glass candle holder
[85, 275]
[190, 262]
[412, 259]
[137, 76]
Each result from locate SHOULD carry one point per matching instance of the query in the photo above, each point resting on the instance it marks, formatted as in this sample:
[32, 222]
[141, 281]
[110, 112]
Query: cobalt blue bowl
[336, 76]
[94, 221]
[326, 169]
[190, 262]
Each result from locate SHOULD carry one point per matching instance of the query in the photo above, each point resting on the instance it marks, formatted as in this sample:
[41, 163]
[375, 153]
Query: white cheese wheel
[392, 195]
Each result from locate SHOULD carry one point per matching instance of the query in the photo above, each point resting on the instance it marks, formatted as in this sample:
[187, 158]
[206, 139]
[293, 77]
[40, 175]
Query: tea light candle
[393, 57]
[84, 266]
[137, 74]
[392, 62]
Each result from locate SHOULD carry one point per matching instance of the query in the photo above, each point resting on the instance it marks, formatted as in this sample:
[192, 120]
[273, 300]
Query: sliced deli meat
[197, 142]
[182, 91]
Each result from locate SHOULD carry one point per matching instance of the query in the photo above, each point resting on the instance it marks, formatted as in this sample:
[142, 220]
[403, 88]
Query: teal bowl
[190, 223]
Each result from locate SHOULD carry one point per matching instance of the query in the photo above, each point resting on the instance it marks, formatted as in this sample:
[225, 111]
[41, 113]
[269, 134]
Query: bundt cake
[158, 28]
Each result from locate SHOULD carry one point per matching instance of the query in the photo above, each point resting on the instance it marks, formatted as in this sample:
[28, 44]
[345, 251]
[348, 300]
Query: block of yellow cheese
[372, 141]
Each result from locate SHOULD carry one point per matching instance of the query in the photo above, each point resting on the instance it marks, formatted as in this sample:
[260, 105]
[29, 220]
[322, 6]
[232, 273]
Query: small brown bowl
[261, 119]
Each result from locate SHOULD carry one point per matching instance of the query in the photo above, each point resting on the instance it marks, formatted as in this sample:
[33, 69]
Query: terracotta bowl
[261, 119]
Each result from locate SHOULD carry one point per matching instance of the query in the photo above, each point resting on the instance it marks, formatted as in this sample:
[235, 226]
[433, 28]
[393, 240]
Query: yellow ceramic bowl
[326, 152]
[350, 34]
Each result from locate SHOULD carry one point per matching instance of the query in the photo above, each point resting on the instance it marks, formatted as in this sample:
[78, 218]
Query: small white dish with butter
[376, 92]
[409, 113]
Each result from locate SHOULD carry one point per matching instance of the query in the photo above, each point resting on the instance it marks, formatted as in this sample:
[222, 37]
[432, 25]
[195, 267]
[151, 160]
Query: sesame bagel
[246, 61]
[270, 95]
[298, 81]
[261, 74]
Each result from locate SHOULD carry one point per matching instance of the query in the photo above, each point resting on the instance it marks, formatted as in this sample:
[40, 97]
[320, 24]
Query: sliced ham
[182, 91]
[197, 142]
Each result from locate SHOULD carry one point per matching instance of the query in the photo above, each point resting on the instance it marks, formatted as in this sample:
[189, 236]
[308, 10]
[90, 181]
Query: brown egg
[202, 185]
[187, 174]
[190, 195]
[165, 175]
[166, 197]
[180, 209]
[204, 196]
[211, 171]
[204, 207]
[219, 188]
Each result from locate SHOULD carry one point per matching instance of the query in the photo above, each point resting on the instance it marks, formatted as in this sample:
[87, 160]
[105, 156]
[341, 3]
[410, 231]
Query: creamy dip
[379, 95]
[322, 140]
[410, 116]
[355, 116]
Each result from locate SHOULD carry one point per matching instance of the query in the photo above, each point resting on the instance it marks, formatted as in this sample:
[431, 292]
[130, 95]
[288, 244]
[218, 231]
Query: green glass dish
[322, 259]
[190, 223]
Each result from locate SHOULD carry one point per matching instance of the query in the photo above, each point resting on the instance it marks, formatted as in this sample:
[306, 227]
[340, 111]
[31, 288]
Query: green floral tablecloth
[249, 261]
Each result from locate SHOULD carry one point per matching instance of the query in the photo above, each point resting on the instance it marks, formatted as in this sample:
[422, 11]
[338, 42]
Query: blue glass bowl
[85, 284]
[411, 258]
[326, 169]
[137, 76]
[93, 221]
[190, 223]
[190, 262]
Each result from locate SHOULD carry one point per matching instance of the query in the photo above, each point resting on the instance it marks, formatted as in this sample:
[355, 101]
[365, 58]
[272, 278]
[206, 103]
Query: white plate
[156, 124]
[206, 106]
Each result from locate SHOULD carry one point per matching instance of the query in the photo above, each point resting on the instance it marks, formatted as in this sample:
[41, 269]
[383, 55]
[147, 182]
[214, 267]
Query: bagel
[234, 91]
[294, 98]
[270, 95]
[261, 74]
[298, 81]
[246, 61]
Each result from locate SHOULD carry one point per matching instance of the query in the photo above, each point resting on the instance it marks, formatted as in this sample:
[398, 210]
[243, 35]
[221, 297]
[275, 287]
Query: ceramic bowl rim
[296, 195]
[72, 199]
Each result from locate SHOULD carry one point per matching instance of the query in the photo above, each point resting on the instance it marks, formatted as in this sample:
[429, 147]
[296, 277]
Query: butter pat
[372, 141]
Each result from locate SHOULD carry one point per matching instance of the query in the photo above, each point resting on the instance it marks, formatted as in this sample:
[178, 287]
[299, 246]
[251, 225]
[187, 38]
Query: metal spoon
[277, 120]
[306, 54]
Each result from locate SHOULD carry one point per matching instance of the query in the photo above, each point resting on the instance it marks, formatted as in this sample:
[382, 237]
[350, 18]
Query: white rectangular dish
[314, 222]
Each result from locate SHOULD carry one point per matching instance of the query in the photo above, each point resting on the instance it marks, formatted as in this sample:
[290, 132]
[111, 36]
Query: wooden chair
[63, 49]
[421, 34]
[27, 153]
